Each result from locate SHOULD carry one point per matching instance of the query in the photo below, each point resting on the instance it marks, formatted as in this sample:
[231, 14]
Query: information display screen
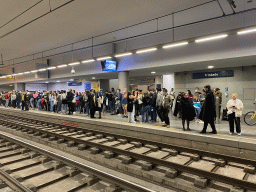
[109, 65]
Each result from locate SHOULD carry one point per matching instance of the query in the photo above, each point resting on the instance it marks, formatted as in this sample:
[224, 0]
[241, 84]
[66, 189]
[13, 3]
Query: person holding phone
[235, 108]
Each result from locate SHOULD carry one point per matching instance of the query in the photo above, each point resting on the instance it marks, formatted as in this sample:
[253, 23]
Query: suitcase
[225, 115]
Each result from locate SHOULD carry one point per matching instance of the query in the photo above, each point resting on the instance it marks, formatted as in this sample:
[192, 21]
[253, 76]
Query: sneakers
[231, 133]
[239, 134]
[168, 126]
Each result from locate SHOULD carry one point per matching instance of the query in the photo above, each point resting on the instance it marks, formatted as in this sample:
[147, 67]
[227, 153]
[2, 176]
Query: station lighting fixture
[211, 38]
[26, 72]
[88, 61]
[61, 66]
[75, 63]
[153, 72]
[175, 45]
[122, 55]
[34, 71]
[246, 31]
[58, 81]
[146, 50]
[13, 74]
[51, 68]
[46, 82]
[103, 58]
[210, 67]
[42, 69]
[11, 85]
[93, 78]
[20, 73]
[3, 76]
[71, 79]
[8, 76]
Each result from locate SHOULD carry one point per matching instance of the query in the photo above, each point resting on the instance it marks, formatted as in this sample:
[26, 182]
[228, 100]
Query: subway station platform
[223, 143]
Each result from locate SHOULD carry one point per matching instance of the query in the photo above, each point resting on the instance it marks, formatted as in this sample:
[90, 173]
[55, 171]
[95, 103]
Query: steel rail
[160, 144]
[82, 167]
[12, 182]
[182, 168]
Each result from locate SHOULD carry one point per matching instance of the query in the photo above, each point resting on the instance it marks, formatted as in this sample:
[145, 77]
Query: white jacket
[239, 105]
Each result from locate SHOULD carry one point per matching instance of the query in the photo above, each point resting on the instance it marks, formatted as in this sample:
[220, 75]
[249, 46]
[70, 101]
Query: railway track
[26, 168]
[175, 161]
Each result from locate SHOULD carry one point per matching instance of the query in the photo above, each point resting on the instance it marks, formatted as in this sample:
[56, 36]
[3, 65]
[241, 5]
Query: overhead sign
[75, 84]
[215, 74]
[87, 86]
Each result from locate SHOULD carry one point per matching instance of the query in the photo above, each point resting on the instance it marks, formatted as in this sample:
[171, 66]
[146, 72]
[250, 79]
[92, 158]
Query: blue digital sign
[75, 84]
[109, 66]
[215, 74]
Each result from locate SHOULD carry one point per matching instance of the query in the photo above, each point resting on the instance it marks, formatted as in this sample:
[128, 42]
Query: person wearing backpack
[18, 100]
[64, 102]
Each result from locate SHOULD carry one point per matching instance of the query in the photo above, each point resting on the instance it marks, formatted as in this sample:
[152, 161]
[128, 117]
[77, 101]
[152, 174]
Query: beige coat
[239, 105]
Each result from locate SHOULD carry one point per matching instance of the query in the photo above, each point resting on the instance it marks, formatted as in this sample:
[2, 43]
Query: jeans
[18, 104]
[51, 105]
[197, 110]
[110, 103]
[153, 113]
[38, 104]
[64, 108]
[59, 107]
[145, 109]
[6, 102]
[14, 103]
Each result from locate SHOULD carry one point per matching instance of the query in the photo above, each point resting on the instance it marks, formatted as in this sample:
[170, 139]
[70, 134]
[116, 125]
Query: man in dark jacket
[92, 99]
[153, 96]
[18, 100]
[69, 100]
[208, 112]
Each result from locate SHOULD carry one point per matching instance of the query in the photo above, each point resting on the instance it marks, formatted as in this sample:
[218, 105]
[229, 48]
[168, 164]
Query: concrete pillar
[19, 86]
[159, 80]
[168, 82]
[123, 80]
[104, 85]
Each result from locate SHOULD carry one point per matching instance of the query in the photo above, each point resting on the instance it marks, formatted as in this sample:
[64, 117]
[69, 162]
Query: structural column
[123, 80]
[159, 81]
[19, 86]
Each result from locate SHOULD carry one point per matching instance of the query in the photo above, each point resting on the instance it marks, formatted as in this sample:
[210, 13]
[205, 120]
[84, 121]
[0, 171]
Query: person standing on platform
[172, 93]
[159, 106]
[13, 99]
[218, 94]
[130, 107]
[73, 107]
[69, 98]
[167, 101]
[235, 108]
[124, 103]
[187, 110]
[18, 99]
[92, 106]
[145, 107]
[153, 97]
[26, 101]
[208, 112]
[99, 103]
[177, 109]
[6, 99]
[64, 102]
[59, 101]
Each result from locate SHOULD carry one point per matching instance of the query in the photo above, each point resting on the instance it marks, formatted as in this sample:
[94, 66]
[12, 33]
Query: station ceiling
[74, 21]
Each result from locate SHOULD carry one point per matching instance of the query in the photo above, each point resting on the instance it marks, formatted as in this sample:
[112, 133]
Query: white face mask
[196, 91]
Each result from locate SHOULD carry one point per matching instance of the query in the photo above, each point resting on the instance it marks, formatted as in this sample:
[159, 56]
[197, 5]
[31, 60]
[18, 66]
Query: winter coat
[167, 101]
[99, 103]
[69, 96]
[159, 99]
[187, 109]
[239, 106]
[208, 112]
[130, 103]
[18, 98]
[91, 100]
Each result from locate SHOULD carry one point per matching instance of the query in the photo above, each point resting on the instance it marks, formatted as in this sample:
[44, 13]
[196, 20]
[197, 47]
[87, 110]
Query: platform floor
[248, 132]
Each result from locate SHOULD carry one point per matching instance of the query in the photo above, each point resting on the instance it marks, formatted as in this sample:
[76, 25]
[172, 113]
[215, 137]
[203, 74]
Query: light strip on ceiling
[211, 38]
[34, 71]
[175, 45]
[26, 72]
[246, 31]
[8, 76]
[61, 66]
[42, 69]
[122, 55]
[88, 61]
[146, 50]
[3, 76]
[20, 73]
[13, 74]
[103, 58]
[51, 68]
[75, 63]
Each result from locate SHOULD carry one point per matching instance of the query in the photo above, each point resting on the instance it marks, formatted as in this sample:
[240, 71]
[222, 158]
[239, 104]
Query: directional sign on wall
[214, 74]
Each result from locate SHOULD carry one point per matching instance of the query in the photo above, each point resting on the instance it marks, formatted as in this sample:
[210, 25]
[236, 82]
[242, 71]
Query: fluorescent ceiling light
[3, 76]
[153, 72]
[42, 69]
[122, 55]
[46, 82]
[61, 66]
[211, 38]
[175, 45]
[75, 63]
[246, 31]
[210, 67]
[34, 71]
[71, 79]
[146, 50]
[93, 78]
[8, 76]
[104, 58]
[58, 81]
[13, 74]
[20, 73]
[26, 72]
[11, 85]
[50, 68]
[88, 61]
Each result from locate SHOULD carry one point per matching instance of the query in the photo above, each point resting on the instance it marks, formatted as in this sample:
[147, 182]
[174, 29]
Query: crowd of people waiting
[156, 104]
